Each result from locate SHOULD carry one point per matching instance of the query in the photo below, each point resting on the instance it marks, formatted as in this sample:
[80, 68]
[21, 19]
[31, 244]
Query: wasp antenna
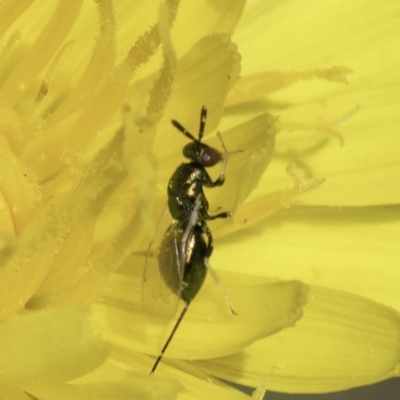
[180, 128]
[203, 117]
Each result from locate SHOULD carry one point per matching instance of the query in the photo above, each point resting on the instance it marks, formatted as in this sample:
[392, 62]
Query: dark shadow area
[388, 390]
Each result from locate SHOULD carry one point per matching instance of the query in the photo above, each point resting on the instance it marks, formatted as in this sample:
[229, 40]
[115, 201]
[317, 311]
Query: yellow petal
[208, 83]
[208, 329]
[351, 250]
[50, 345]
[190, 23]
[21, 192]
[342, 341]
[182, 379]
[198, 20]
[131, 387]
[364, 171]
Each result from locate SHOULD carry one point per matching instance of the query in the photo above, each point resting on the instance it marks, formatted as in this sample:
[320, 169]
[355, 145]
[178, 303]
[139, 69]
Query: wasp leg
[224, 162]
[206, 230]
[220, 287]
[225, 214]
[210, 245]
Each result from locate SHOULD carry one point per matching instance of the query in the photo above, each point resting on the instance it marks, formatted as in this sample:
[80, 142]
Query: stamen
[258, 85]
[330, 126]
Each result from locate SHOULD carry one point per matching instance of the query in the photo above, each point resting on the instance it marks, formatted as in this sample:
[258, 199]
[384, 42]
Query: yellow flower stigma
[305, 97]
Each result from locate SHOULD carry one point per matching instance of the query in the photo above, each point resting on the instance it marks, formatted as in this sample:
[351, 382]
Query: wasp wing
[157, 299]
[165, 265]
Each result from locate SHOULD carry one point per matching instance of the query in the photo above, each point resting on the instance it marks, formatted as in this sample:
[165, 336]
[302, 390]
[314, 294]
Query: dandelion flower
[87, 92]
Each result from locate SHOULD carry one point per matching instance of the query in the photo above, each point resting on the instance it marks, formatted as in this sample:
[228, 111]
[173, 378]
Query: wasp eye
[210, 157]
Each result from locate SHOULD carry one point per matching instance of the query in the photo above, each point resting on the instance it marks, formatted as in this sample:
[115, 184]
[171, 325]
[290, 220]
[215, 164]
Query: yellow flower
[87, 92]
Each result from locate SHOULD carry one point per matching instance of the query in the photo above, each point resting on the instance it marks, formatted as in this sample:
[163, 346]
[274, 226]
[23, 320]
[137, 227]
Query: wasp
[187, 244]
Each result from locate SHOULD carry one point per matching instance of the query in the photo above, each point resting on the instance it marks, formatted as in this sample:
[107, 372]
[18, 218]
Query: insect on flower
[181, 259]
